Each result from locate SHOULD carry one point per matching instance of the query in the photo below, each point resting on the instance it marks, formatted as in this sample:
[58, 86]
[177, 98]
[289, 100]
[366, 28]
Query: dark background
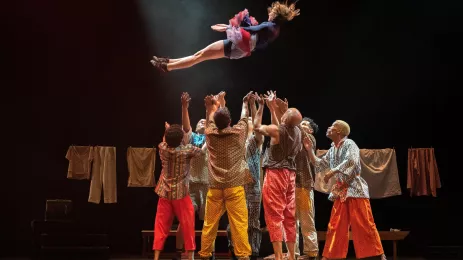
[83, 77]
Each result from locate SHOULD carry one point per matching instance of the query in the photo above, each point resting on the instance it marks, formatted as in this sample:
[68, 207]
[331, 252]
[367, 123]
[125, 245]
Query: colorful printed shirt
[173, 183]
[253, 154]
[345, 160]
[199, 172]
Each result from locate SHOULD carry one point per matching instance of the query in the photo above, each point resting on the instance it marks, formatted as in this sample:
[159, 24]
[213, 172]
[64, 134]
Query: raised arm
[266, 130]
[257, 118]
[244, 108]
[211, 107]
[185, 115]
[274, 118]
[282, 107]
[166, 125]
[270, 100]
[252, 105]
[221, 98]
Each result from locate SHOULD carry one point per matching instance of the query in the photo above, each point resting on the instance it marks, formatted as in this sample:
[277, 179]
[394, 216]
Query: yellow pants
[232, 200]
[305, 221]
[305, 214]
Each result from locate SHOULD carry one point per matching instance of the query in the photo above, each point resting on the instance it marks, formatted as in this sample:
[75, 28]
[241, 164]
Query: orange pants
[357, 214]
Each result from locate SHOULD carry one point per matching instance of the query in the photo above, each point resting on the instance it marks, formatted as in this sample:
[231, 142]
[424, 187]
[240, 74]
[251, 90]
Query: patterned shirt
[226, 152]
[174, 181]
[199, 172]
[304, 169]
[344, 159]
[253, 159]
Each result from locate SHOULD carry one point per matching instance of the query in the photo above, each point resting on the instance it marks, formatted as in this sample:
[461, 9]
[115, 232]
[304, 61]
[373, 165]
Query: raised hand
[252, 98]
[221, 98]
[215, 100]
[185, 99]
[271, 99]
[166, 125]
[308, 144]
[246, 98]
[260, 99]
[283, 105]
[210, 102]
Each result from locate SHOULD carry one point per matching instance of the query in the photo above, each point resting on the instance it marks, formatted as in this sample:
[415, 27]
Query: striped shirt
[174, 181]
[345, 160]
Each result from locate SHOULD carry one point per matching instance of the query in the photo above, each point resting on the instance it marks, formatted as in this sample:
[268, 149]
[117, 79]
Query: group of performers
[216, 169]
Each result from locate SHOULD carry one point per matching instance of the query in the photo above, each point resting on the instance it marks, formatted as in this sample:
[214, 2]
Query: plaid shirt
[174, 180]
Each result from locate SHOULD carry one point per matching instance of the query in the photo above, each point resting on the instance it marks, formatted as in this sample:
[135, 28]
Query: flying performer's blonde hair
[283, 11]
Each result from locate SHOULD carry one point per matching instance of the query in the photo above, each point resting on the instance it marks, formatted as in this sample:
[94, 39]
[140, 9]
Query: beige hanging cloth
[141, 164]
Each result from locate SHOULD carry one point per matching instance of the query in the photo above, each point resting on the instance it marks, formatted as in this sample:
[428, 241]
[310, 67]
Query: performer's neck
[337, 140]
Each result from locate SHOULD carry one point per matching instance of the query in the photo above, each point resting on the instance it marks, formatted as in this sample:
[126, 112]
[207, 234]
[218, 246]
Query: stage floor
[140, 258]
[401, 258]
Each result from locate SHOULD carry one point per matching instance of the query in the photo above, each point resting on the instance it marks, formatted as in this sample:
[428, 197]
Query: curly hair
[283, 12]
[174, 135]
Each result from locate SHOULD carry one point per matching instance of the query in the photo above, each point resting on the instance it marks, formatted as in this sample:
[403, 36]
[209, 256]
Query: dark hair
[312, 124]
[222, 118]
[174, 135]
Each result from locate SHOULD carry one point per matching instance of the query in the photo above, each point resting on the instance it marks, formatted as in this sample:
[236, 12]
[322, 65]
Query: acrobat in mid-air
[244, 35]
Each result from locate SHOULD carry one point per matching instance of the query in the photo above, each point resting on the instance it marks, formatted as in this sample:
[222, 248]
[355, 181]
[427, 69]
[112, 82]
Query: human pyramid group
[216, 169]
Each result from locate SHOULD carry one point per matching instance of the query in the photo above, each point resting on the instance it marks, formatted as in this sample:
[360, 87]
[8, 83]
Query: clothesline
[379, 169]
[98, 164]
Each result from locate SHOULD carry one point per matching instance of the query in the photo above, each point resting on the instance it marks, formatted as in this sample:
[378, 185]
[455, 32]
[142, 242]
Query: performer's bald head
[292, 117]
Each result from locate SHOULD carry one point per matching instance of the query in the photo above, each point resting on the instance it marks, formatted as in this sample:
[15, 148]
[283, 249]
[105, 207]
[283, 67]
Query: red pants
[278, 194]
[184, 211]
[356, 213]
